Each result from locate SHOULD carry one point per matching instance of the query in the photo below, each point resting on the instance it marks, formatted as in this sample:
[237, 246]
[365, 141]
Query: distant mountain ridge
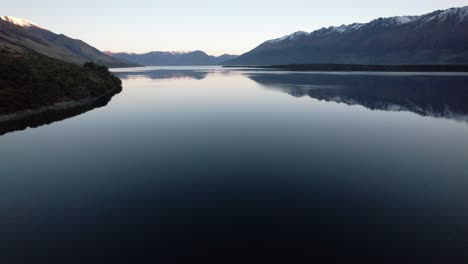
[440, 37]
[20, 35]
[161, 58]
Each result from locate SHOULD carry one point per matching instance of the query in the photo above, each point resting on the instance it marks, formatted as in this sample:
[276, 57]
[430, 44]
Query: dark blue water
[223, 165]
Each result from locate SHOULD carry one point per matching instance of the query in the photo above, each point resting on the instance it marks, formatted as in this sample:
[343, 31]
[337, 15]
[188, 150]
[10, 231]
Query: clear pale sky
[214, 26]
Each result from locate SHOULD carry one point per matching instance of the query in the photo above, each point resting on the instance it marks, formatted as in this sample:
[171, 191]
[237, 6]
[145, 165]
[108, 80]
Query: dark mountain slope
[23, 36]
[440, 37]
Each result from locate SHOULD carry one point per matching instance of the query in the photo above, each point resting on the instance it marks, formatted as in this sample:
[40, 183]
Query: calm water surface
[209, 162]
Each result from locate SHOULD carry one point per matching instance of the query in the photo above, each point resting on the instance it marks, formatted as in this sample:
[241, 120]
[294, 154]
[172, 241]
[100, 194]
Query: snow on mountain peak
[390, 22]
[292, 36]
[340, 29]
[298, 34]
[461, 12]
[404, 19]
[179, 52]
[17, 21]
[344, 28]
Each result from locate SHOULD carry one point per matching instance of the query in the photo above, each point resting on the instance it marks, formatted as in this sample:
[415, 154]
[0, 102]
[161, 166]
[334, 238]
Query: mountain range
[22, 36]
[440, 37]
[160, 58]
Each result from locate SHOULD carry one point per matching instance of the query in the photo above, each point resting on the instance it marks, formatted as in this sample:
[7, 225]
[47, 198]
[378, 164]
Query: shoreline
[32, 118]
[55, 107]
[66, 105]
[358, 68]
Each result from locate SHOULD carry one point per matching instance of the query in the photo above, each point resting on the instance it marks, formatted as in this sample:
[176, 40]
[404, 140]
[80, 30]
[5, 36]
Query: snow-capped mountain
[391, 22]
[293, 36]
[440, 37]
[173, 58]
[458, 15]
[17, 21]
[23, 36]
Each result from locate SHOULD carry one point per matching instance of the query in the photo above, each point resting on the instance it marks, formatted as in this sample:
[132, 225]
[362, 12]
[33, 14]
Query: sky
[214, 26]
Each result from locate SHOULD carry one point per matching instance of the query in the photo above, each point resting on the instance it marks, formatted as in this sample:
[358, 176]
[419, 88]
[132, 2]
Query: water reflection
[164, 74]
[50, 116]
[441, 96]
[224, 167]
[426, 95]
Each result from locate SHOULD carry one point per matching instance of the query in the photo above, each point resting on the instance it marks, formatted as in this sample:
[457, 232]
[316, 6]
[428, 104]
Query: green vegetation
[30, 81]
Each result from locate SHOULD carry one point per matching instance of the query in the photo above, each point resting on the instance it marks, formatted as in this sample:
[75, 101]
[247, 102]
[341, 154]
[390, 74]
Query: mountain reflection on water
[434, 95]
[426, 95]
[215, 162]
[164, 74]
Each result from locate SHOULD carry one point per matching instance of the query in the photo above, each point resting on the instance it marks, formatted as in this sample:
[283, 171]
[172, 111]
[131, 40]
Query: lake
[228, 163]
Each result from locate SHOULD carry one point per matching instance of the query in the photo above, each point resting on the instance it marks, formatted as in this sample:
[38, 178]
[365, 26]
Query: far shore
[357, 67]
